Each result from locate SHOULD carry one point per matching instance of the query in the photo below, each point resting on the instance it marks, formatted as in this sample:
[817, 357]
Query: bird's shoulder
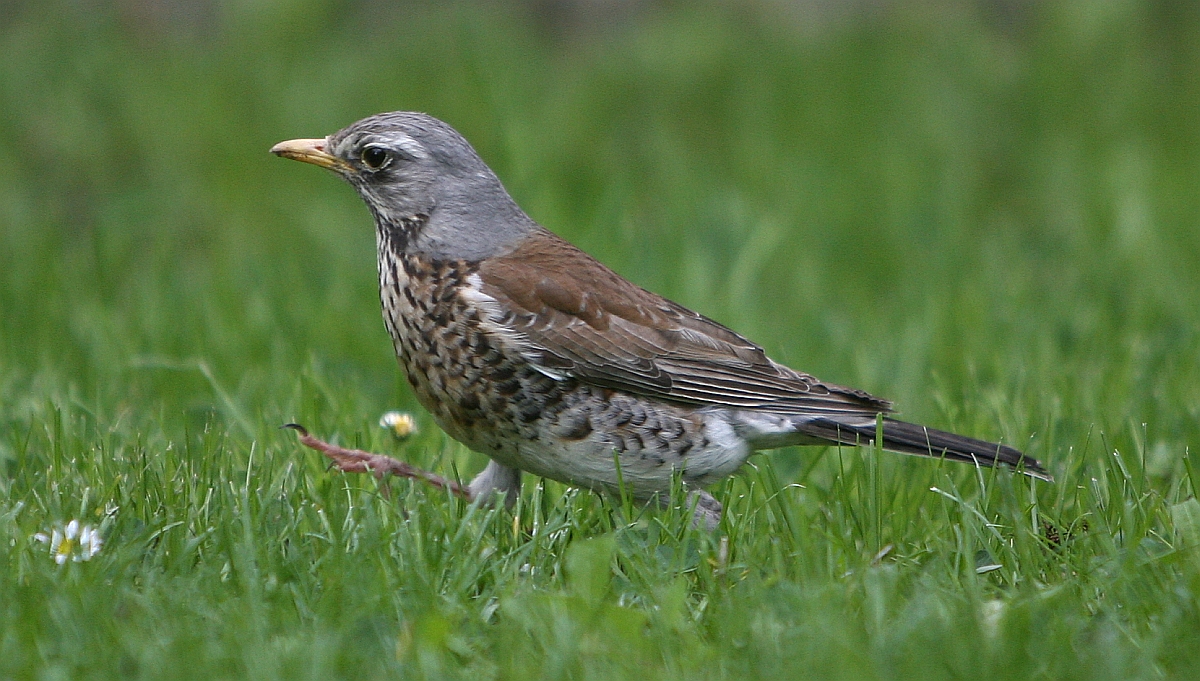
[555, 283]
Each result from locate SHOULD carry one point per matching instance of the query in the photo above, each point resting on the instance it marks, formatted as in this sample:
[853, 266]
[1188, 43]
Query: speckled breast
[486, 398]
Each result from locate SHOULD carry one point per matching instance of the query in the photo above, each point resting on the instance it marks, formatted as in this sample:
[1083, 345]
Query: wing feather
[584, 320]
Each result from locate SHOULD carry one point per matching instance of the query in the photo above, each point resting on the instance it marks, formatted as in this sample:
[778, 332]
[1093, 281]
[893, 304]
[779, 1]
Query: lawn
[987, 213]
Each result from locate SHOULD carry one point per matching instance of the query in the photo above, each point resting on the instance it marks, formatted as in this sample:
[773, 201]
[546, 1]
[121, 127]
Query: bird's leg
[494, 479]
[358, 461]
[704, 507]
[708, 510]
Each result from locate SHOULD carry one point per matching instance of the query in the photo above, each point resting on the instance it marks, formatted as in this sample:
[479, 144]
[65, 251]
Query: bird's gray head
[410, 166]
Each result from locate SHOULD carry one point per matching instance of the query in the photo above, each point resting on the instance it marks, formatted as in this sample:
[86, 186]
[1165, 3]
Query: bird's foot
[359, 461]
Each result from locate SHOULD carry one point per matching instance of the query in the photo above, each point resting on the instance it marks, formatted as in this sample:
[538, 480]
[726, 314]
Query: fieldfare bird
[528, 350]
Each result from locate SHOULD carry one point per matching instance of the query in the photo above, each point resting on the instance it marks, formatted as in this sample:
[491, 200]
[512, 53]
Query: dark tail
[910, 438]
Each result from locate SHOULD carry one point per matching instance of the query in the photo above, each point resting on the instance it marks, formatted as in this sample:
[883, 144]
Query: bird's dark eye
[375, 157]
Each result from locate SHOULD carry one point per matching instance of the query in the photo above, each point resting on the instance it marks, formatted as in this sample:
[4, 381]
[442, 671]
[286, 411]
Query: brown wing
[590, 323]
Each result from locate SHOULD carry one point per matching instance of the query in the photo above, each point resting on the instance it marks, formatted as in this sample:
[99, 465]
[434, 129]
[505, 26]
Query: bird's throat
[399, 234]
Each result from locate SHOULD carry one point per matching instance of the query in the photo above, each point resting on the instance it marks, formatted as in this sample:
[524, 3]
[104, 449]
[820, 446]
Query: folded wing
[632, 340]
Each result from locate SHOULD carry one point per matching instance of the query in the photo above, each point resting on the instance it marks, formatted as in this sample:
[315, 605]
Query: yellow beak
[310, 151]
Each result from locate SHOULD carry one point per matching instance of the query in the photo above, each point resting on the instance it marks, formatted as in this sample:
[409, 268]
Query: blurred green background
[992, 199]
[985, 211]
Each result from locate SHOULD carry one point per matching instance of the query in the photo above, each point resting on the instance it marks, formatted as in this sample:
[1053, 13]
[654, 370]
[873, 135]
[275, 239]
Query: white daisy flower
[75, 542]
[401, 423]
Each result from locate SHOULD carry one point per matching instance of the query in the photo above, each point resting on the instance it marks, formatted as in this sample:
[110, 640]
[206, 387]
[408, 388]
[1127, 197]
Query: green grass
[990, 219]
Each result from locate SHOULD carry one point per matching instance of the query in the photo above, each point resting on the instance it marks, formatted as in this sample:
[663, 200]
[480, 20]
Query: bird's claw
[379, 465]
